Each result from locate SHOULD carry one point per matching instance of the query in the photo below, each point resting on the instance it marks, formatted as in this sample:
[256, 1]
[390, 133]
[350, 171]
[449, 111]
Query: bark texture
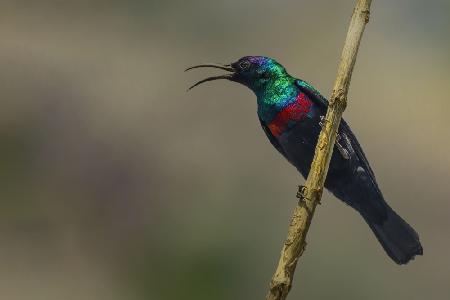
[310, 194]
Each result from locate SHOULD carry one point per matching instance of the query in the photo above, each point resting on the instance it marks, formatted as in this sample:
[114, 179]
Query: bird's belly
[299, 145]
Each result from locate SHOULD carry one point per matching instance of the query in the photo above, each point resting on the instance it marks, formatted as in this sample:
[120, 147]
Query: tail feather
[398, 238]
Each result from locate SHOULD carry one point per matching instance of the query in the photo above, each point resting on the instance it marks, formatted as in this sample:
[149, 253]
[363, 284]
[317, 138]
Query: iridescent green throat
[275, 95]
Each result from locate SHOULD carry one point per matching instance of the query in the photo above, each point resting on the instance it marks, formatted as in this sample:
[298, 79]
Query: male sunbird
[291, 112]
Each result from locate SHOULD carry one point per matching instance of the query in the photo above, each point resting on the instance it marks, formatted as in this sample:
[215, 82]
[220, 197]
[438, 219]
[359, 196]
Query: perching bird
[290, 111]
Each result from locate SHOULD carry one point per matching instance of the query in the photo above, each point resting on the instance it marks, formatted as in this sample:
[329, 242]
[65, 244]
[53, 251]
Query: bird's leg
[341, 149]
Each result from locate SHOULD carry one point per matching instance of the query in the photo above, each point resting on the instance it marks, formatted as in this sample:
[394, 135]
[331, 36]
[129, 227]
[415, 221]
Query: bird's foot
[301, 193]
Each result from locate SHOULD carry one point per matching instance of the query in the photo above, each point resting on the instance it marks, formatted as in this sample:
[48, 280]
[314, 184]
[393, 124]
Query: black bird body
[291, 111]
[352, 180]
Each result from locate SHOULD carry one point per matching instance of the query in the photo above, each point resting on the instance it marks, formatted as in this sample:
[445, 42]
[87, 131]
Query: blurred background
[117, 184]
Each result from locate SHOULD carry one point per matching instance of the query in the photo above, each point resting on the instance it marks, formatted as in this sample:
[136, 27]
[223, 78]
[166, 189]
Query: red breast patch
[295, 111]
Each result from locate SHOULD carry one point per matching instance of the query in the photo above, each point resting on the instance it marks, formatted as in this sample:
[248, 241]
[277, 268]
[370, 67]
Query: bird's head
[255, 72]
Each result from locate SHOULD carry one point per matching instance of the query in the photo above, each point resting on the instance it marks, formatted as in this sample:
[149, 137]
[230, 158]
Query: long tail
[398, 238]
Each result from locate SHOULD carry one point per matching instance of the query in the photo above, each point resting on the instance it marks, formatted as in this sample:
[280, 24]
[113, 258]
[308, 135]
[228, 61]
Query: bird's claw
[301, 195]
[301, 192]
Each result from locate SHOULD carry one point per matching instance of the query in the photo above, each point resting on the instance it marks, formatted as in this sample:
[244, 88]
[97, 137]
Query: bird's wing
[344, 129]
[312, 93]
[273, 140]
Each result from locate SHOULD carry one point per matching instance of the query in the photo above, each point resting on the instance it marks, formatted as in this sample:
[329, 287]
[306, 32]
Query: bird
[291, 112]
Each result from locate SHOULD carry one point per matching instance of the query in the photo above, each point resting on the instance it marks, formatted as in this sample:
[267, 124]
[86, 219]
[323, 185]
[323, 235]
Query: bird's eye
[244, 65]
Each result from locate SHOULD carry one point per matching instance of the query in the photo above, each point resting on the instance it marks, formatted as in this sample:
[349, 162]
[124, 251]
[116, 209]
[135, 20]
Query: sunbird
[291, 113]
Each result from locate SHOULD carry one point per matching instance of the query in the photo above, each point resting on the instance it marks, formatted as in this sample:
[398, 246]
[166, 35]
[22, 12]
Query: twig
[311, 193]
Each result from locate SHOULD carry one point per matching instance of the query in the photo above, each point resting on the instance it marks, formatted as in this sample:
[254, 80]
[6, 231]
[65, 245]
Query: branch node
[366, 14]
[338, 97]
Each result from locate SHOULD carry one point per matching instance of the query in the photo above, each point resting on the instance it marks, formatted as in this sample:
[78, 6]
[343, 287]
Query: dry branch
[311, 193]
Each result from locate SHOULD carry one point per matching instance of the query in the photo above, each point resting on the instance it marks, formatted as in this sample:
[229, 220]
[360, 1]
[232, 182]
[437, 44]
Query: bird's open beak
[217, 66]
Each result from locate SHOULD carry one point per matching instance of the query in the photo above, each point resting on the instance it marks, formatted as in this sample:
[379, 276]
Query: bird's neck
[281, 105]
